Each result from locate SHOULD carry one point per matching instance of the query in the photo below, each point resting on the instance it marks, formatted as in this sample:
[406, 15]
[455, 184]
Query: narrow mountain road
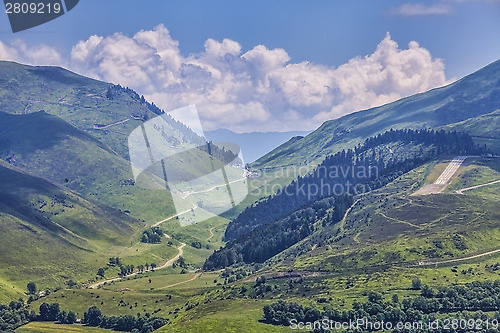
[165, 265]
[462, 190]
[113, 124]
[400, 221]
[437, 262]
[177, 256]
[400, 265]
[187, 194]
[342, 223]
[169, 263]
[174, 216]
[211, 234]
[182, 282]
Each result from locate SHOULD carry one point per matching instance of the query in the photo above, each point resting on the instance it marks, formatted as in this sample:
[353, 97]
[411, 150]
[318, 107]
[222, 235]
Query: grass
[491, 192]
[113, 302]
[138, 294]
[52, 234]
[483, 129]
[215, 308]
[224, 316]
[476, 171]
[42, 327]
[47, 146]
[389, 226]
[82, 236]
[35, 213]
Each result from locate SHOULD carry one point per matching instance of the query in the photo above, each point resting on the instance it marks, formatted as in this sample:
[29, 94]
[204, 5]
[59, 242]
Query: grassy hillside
[47, 146]
[107, 112]
[485, 129]
[52, 235]
[80, 140]
[69, 200]
[43, 327]
[474, 95]
[390, 227]
[337, 268]
[76, 99]
[324, 196]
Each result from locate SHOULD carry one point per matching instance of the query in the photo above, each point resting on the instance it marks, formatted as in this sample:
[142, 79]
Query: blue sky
[462, 35]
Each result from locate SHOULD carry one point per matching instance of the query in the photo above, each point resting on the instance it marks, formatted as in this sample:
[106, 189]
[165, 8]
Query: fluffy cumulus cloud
[382, 77]
[249, 90]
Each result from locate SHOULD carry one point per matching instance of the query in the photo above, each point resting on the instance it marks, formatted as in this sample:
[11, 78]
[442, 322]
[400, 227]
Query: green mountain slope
[77, 100]
[47, 146]
[391, 227]
[50, 234]
[485, 129]
[474, 95]
[74, 130]
[107, 112]
[272, 225]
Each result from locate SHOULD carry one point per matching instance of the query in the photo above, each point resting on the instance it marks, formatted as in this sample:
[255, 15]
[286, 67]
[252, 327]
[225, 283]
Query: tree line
[470, 301]
[124, 269]
[126, 323]
[17, 314]
[261, 244]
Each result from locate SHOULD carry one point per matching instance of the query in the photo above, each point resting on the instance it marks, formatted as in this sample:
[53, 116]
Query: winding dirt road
[169, 263]
[211, 234]
[182, 282]
[173, 216]
[430, 263]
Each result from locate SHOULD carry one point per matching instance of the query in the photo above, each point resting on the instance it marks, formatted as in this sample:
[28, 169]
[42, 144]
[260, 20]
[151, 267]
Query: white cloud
[40, 54]
[219, 50]
[384, 76]
[254, 90]
[417, 9]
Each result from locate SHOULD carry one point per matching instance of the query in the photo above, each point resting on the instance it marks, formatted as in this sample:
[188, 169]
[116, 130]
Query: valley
[416, 214]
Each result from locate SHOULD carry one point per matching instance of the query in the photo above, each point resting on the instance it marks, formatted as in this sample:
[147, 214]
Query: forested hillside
[270, 226]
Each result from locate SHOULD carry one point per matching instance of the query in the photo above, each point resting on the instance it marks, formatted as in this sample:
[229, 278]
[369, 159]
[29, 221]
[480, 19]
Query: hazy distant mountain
[255, 144]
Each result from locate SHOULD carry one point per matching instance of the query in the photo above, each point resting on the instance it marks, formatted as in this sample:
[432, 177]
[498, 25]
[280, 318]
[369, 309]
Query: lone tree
[93, 316]
[48, 312]
[101, 272]
[71, 318]
[31, 286]
[416, 284]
